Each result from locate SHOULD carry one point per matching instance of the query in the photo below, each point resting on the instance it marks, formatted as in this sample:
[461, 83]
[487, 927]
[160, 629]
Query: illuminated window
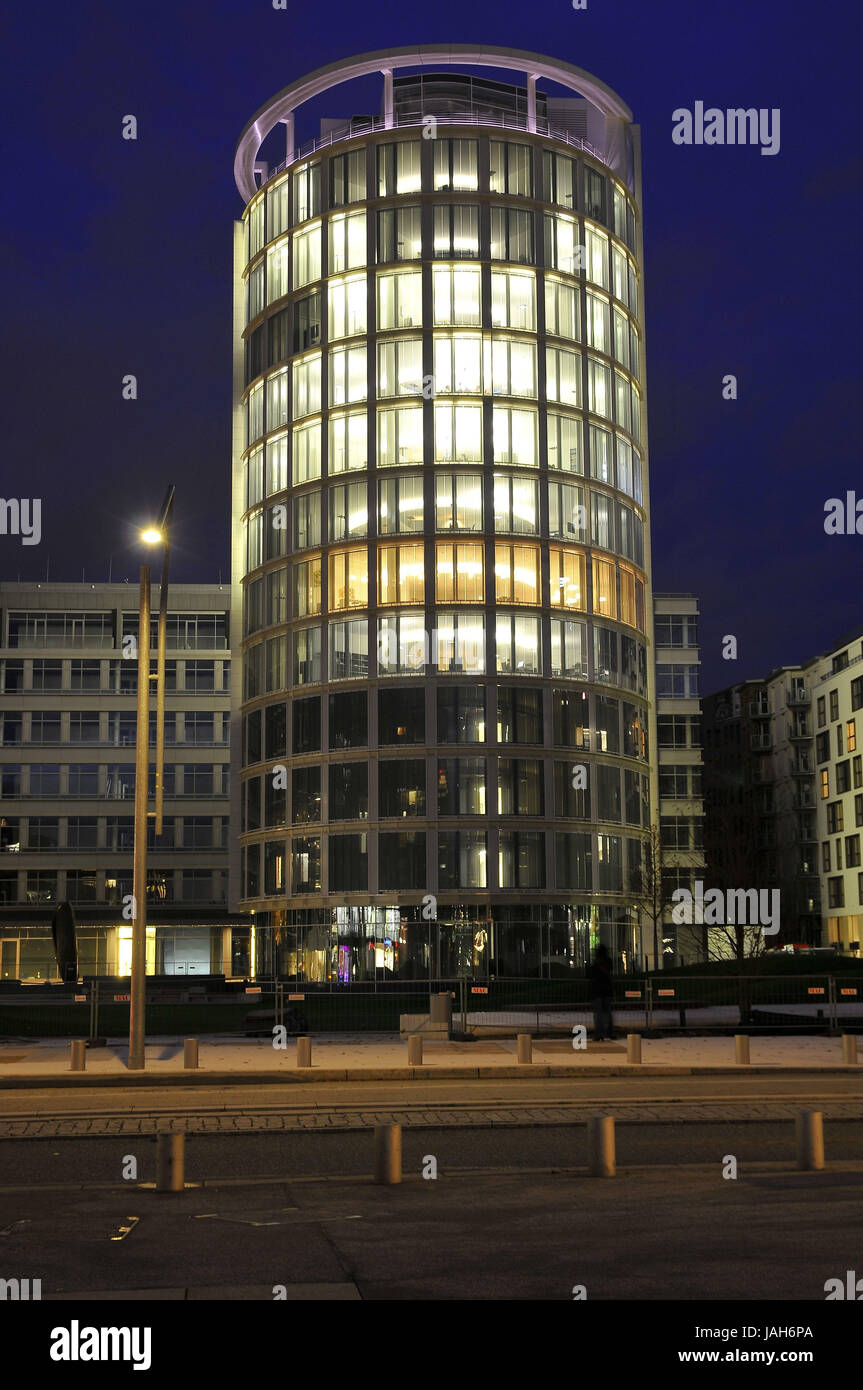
[460, 642]
[598, 388]
[511, 235]
[278, 267]
[347, 178]
[561, 309]
[558, 177]
[825, 782]
[399, 235]
[510, 366]
[399, 168]
[400, 371]
[400, 299]
[307, 255]
[456, 230]
[307, 386]
[455, 165]
[348, 574]
[628, 609]
[458, 433]
[307, 587]
[562, 249]
[568, 648]
[348, 375]
[604, 589]
[598, 322]
[349, 515]
[567, 578]
[510, 168]
[459, 574]
[277, 464]
[457, 363]
[517, 644]
[516, 573]
[400, 435]
[564, 443]
[306, 453]
[349, 441]
[851, 735]
[596, 256]
[567, 515]
[456, 295]
[347, 301]
[402, 648]
[400, 504]
[458, 502]
[400, 574]
[515, 504]
[347, 241]
[349, 650]
[254, 229]
[563, 376]
[515, 436]
[307, 191]
[513, 299]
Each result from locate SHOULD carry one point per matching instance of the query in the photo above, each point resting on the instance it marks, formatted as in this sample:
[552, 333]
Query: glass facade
[463, 486]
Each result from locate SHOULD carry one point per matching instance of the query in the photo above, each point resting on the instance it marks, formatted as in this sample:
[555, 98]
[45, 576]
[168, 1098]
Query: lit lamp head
[151, 535]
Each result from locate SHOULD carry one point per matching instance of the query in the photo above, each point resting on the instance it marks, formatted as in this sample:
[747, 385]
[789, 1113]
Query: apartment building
[67, 781]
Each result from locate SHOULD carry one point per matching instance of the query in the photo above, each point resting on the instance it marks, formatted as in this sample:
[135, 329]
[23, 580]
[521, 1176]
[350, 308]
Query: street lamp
[160, 534]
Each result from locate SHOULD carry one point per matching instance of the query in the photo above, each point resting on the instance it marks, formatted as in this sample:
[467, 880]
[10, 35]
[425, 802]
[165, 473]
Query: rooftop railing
[370, 125]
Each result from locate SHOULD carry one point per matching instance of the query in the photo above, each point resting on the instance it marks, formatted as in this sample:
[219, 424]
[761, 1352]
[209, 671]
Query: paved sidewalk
[365, 1056]
[256, 1119]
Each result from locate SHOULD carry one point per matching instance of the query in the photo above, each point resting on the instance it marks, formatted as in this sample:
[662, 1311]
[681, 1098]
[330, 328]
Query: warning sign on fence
[296, 996]
[661, 992]
[633, 993]
[479, 989]
[122, 998]
[815, 989]
[253, 989]
[848, 991]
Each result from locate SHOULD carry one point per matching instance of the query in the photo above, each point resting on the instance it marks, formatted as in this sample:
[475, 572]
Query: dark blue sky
[117, 259]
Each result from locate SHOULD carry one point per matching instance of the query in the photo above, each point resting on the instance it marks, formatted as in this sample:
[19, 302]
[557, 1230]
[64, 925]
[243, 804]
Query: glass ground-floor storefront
[192, 948]
[344, 945]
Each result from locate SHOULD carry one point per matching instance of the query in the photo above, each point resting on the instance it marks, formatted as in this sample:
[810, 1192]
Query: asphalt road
[650, 1234]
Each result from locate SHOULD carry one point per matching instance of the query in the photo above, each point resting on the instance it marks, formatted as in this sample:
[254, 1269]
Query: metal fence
[691, 1004]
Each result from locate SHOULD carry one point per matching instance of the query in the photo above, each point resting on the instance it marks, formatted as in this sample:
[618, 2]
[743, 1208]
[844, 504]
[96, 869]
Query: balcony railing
[798, 695]
[761, 742]
[370, 125]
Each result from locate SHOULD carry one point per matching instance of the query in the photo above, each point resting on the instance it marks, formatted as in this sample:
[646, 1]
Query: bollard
[525, 1047]
[388, 1153]
[741, 1049]
[415, 1051]
[849, 1048]
[304, 1052]
[170, 1162]
[600, 1132]
[810, 1140]
[78, 1057]
[190, 1054]
[633, 1047]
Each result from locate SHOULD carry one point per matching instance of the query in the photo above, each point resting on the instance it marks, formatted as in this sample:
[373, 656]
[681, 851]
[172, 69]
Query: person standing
[599, 974]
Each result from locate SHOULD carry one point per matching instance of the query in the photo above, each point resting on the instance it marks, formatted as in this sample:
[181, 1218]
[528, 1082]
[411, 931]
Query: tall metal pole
[165, 527]
[138, 1001]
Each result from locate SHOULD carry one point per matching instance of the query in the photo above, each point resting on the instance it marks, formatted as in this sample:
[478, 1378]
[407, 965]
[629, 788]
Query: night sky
[117, 258]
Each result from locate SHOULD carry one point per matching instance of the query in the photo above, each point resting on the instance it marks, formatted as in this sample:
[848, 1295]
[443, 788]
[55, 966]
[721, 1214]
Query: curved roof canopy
[281, 107]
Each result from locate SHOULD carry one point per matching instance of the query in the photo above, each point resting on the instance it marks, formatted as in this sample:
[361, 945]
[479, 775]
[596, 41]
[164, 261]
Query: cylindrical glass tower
[441, 543]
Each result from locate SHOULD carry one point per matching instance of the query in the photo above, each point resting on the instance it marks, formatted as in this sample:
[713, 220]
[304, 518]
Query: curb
[130, 1080]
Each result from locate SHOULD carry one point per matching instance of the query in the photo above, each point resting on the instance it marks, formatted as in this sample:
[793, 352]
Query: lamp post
[155, 535]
